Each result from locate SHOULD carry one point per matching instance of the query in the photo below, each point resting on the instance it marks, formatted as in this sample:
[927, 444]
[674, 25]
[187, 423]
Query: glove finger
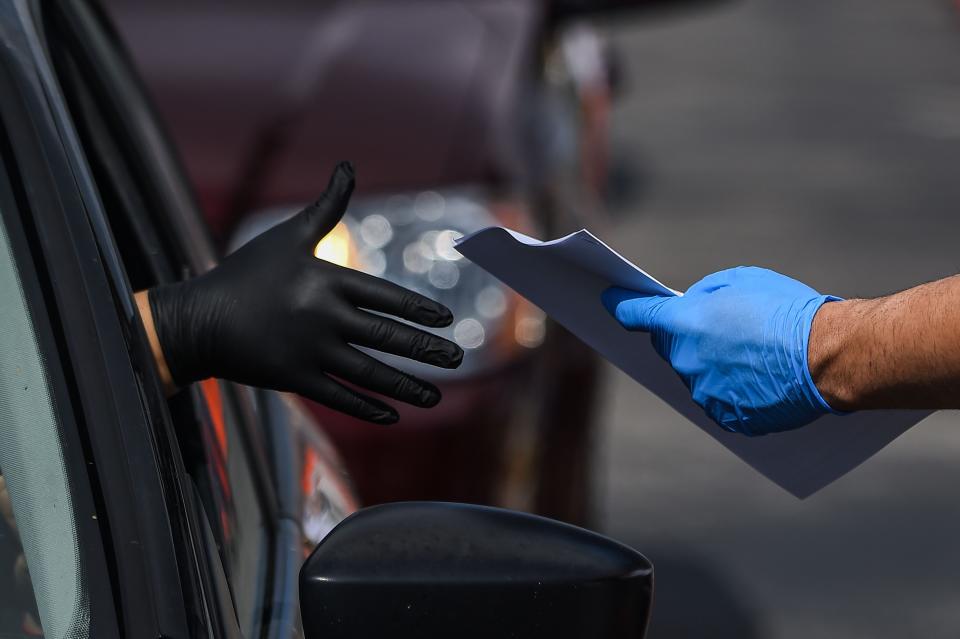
[396, 338]
[319, 218]
[361, 369]
[375, 294]
[635, 311]
[333, 394]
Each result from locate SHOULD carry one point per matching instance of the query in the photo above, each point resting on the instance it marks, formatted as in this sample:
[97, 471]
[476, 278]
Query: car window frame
[143, 515]
[93, 565]
[183, 231]
[29, 186]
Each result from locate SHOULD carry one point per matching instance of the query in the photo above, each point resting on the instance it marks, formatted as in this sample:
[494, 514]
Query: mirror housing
[431, 569]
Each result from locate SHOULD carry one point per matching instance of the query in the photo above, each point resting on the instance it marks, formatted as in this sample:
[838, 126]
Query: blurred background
[818, 139]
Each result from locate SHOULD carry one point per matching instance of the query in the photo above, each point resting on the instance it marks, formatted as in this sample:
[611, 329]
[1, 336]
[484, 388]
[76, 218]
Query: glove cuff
[175, 333]
[813, 393]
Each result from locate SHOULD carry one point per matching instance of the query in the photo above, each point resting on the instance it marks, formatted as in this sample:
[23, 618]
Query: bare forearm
[900, 351]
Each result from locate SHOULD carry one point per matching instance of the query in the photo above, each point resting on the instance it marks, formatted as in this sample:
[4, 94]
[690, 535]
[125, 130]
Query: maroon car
[458, 114]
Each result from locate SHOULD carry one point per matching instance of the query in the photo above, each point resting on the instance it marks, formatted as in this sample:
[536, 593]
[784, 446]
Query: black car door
[129, 536]
[158, 235]
[54, 574]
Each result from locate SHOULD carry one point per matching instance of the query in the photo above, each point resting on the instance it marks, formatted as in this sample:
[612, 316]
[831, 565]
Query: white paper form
[566, 277]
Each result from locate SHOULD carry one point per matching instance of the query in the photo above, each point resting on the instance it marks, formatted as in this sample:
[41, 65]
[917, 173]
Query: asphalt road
[821, 139]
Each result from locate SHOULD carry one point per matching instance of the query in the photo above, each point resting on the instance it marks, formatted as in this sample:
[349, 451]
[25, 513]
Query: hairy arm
[899, 351]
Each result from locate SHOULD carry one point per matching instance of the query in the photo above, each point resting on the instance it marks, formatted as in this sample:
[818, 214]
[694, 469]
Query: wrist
[832, 351]
[181, 328]
[146, 318]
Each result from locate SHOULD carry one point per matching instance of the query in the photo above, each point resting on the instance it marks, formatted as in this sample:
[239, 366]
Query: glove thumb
[634, 310]
[319, 218]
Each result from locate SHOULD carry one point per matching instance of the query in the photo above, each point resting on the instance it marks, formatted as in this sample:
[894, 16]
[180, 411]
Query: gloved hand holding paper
[566, 278]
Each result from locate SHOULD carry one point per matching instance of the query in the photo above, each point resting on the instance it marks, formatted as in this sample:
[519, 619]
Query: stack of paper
[566, 277]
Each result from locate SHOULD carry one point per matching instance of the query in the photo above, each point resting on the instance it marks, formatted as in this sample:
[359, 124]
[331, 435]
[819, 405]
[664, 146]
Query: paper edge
[535, 243]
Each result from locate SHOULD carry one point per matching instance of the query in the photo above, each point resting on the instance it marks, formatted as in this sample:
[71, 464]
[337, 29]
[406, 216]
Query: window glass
[225, 480]
[41, 581]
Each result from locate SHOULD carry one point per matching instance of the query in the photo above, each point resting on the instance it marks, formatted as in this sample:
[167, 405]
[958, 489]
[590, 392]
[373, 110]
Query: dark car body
[191, 517]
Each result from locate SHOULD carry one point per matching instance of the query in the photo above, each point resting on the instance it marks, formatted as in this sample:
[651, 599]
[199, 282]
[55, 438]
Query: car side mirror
[430, 569]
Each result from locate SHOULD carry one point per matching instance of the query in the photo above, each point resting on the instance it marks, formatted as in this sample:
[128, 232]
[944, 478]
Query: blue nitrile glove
[738, 339]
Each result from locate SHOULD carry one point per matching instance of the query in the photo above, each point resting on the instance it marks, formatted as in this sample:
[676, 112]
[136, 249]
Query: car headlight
[408, 240]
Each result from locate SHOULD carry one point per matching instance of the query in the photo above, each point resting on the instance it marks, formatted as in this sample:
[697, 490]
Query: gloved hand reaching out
[739, 341]
[272, 315]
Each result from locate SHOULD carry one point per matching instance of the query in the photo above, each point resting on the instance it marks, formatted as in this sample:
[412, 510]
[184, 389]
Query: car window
[208, 419]
[227, 488]
[41, 578]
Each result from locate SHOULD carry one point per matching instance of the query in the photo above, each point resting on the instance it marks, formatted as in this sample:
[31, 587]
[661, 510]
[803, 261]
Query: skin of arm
[146, 316]
[899, 351]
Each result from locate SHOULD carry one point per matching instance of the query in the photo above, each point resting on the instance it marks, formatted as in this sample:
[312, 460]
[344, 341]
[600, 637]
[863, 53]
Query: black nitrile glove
[272, 315]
